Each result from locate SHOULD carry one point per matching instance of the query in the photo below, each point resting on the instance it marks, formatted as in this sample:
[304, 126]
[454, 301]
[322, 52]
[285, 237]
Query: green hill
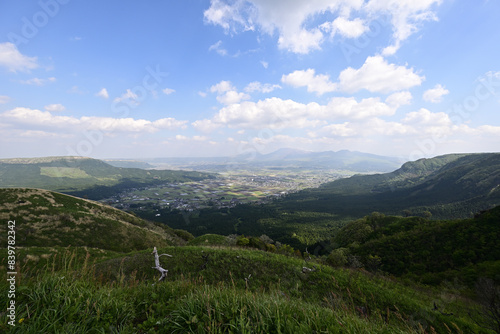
[46, 218]
[429, 251]
[450, 186]
[81, 176]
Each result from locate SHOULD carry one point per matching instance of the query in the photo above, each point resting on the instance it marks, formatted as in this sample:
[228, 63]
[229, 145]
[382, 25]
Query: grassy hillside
[236, 291]
[45, 218]
[80, 176]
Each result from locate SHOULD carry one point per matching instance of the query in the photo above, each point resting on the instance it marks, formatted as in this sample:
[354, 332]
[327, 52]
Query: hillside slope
[45, 218]
[429, 251]
[450, 186]
[83, 176]
[228, 290]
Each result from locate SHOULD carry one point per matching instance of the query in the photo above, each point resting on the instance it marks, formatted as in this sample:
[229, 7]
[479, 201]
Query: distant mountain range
[289, 158]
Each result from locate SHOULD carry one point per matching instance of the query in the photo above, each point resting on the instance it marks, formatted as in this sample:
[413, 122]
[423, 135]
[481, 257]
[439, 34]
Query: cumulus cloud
[205, 125]
[103, 93]
[435, 95]
[232, 96]
[14, 61]
[44, 119]
[399, 99]
[378, 76]
[292, 19]
[269, 113]
[336, 130]
[227, 93]
[344, 27]
[276, 113]
[55, 107]
[222, 87]
[318, 83]
[228, 16]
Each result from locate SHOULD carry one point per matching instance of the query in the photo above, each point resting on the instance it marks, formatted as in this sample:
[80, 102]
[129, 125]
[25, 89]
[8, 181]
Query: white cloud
[14, 61]
[129, 97]
[399, 99]
[55, 107]
[103, 93]
[319, 83]
[435, 94]
[168, 91]
[222, 87]
[217, 48]
[301, 41]
[4, 99]
[38, 81]
[271, 113]
[227, 93]
[346, 28]
[265, 64]
[425, 117]
[43, 134]
[376, 75]
[181, 137]
[275, 113]
[228, 16]
[44, 119]
[256, 86]
[336, 130]
[406, 16]
[205, 125]
[292, 19]
[287, 17]
[231, 97]
[350, 108]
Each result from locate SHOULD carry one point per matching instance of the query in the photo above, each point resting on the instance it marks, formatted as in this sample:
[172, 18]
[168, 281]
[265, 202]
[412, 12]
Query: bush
[183, 234]
[242, 241]
[338, 257]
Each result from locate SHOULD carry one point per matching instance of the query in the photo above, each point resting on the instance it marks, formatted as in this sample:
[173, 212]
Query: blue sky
[132, 79]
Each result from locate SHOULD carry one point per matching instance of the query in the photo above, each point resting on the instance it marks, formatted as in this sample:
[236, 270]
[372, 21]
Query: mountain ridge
[75, 174]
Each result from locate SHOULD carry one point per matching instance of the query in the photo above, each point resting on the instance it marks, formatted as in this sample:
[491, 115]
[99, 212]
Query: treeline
[423, 250]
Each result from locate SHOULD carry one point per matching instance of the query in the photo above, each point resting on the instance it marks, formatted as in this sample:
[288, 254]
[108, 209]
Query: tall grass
[72, 294]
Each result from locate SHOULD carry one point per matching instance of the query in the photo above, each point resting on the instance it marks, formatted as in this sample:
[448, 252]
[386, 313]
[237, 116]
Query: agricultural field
[227, 190]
